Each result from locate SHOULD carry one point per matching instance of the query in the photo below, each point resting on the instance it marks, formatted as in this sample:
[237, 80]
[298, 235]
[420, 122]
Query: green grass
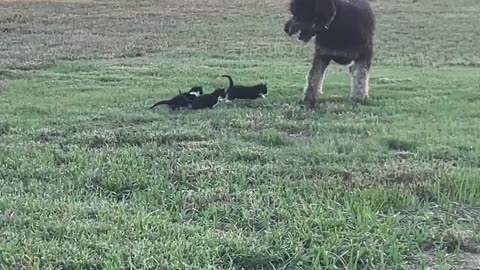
[90, 178]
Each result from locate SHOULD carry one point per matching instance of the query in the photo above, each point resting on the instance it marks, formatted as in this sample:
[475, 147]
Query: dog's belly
[342, 57]
[342, 60]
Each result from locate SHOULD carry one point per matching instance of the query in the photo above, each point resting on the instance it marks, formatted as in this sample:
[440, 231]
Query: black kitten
[192, 93]
[244, 92]
[208, 100]
[182, 99]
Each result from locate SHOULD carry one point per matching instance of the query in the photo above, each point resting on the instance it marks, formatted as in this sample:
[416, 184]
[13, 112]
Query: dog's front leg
[314, 81]
[359, 72]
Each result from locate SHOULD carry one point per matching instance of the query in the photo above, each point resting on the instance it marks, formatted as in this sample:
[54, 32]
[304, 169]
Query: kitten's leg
[227, 99]
[314, 82]
[215, 105]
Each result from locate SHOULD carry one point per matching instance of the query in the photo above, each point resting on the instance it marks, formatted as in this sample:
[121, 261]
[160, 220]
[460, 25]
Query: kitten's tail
[159, 103]
[230, 81]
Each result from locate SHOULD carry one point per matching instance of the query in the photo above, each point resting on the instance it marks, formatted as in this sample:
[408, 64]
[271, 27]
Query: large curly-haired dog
[343, 31]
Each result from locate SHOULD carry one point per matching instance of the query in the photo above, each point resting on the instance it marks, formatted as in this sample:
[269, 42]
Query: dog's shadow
[334, 100]
[338, 100]
[321, 104]
[250, 104]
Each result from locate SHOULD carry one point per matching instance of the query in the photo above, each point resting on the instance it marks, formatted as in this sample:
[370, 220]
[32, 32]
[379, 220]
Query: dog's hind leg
[360, 76]
[315, 77]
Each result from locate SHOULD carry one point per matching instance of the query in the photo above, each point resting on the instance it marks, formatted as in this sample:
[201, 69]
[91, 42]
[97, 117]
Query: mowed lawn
[90, 178]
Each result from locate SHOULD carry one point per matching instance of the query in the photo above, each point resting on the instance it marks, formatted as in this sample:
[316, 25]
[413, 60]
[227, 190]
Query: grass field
[92, 179]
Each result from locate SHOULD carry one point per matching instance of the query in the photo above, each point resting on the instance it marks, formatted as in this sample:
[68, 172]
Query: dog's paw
[359, 101]
[359, 98]
[310, 103]
[310, 98]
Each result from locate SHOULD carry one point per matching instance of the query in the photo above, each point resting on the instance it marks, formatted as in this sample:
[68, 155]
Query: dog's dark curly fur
[343, 31]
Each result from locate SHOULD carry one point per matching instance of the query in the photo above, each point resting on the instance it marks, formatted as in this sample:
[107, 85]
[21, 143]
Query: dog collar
[334, 15]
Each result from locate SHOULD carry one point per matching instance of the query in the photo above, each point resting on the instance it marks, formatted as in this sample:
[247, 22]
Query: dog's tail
[230, 81]
[159, 103]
